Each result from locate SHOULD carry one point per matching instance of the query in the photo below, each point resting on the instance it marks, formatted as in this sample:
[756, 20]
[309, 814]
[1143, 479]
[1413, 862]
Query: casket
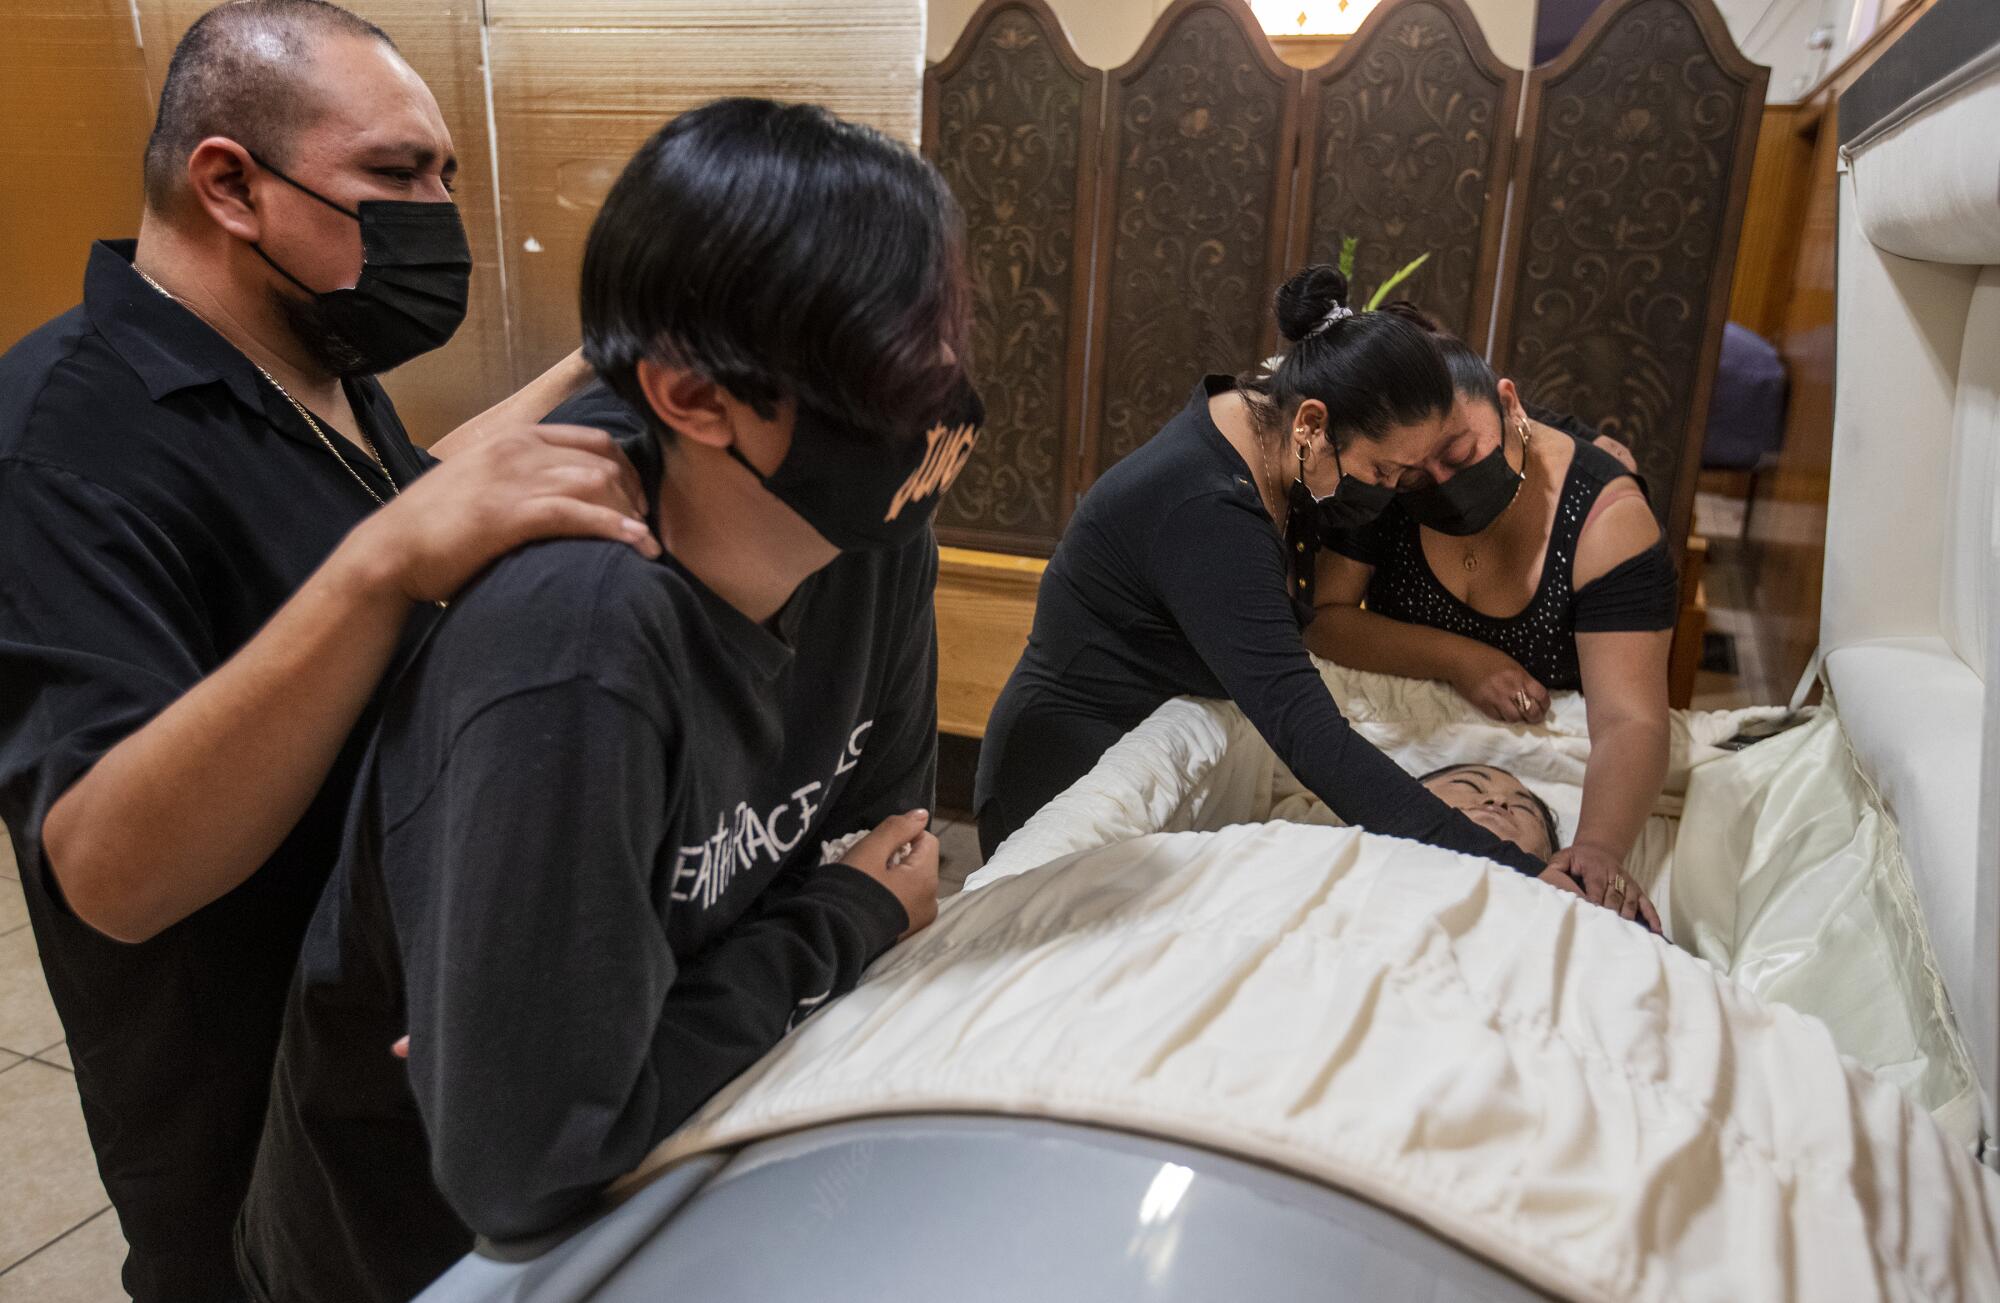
[1910, 622]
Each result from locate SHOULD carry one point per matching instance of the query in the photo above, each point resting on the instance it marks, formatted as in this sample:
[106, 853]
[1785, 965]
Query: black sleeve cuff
[874, 908]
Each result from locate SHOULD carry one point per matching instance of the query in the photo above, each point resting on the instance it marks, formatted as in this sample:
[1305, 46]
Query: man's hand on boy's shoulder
[512, 487]
[902, 855]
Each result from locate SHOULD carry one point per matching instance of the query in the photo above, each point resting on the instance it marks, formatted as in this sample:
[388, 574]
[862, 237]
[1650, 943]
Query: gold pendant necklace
[1471, 559]
[368, 445]
[311, 424]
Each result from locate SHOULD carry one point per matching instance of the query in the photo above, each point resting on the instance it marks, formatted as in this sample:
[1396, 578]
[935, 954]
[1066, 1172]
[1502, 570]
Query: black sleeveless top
[1638, 595]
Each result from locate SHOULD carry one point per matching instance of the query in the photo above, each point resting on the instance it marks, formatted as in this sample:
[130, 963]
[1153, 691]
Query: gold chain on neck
[1471, 562]
[367, 444]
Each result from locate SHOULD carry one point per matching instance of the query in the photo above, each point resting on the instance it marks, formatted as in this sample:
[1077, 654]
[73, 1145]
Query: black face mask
[415, 275]
[862, 492]
[1352, 504]
[1309, 520]
[1472, 498]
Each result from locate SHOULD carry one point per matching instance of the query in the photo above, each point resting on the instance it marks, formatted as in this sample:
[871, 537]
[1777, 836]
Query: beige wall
[1108, 32]
[1509, 26]
[1105, 32]
[1779, 33]
[572, 86]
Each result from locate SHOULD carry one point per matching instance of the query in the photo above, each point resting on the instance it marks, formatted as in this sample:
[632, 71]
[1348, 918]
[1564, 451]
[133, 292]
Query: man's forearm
[1364, 640]
[187, 808]
[1628, 765]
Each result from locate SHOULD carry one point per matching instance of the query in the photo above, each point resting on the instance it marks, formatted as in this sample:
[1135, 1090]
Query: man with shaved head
[214, 535]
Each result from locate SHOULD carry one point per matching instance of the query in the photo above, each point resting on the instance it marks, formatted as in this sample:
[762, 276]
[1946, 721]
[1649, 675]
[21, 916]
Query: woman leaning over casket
[1189, 568]
[1536, 565]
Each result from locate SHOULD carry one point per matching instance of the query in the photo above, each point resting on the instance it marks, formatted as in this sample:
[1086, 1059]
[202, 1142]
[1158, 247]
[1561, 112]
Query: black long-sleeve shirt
[583, 873]
[1171, 580]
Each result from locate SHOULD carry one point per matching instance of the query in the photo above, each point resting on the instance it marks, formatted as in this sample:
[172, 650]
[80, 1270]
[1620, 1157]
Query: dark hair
[1373, 370]
[1470, 375]
[780, 252]
[1549, 823]
[240, 72]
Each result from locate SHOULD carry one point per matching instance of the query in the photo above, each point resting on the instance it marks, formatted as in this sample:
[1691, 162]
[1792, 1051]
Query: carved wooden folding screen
[1405, 145]
[1198, 144]
[1011, 120]
[1635, 156]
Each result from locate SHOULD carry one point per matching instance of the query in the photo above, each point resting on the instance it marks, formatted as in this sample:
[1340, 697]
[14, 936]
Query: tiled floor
[1729, 584]
[59, 1240]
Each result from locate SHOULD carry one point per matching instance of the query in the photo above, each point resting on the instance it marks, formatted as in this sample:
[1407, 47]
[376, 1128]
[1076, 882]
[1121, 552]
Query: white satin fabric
[1792, 880]
[1527, 1074]
[1607, 1115]
[1822, 922]
[1199, 764]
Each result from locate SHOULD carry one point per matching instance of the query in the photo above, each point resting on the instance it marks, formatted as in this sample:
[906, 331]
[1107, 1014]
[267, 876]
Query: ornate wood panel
[1405, 145]
[1635, 156]
[1199, 130]
[1011, 119]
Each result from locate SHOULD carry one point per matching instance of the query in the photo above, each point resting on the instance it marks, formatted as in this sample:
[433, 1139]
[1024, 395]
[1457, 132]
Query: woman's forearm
[1628, 766]
[1364, 640]
[525, 406]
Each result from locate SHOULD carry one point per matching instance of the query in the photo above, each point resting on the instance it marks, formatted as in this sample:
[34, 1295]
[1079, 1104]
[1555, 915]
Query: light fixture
[1312, 17]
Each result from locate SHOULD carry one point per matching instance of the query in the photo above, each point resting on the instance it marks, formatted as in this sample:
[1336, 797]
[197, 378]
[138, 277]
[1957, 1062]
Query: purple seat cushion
[1746, 414]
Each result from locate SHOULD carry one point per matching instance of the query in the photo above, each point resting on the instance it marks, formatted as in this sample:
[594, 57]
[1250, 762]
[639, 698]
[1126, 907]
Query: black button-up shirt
[159, 500]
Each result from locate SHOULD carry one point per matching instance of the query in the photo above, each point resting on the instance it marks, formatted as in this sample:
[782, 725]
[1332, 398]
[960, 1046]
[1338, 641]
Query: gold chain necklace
[367, 444]
[1471, 561]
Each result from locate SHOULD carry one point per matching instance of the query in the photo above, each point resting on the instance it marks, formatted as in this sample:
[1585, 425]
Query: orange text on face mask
[950, 448]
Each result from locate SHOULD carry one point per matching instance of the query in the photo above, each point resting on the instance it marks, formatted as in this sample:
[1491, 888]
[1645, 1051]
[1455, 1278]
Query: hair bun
[1305, 299]
[1415, 315]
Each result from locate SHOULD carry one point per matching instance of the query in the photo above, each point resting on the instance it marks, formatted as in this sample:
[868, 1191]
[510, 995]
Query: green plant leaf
[1347, 248]
[1382, 290]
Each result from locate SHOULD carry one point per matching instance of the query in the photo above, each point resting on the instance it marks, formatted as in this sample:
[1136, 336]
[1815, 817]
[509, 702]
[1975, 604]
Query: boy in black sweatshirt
[602, 851]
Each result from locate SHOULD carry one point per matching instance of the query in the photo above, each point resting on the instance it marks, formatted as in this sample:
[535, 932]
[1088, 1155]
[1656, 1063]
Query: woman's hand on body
[1601, 880]
[902, 855]
[1555, 877]
[1495, 682]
